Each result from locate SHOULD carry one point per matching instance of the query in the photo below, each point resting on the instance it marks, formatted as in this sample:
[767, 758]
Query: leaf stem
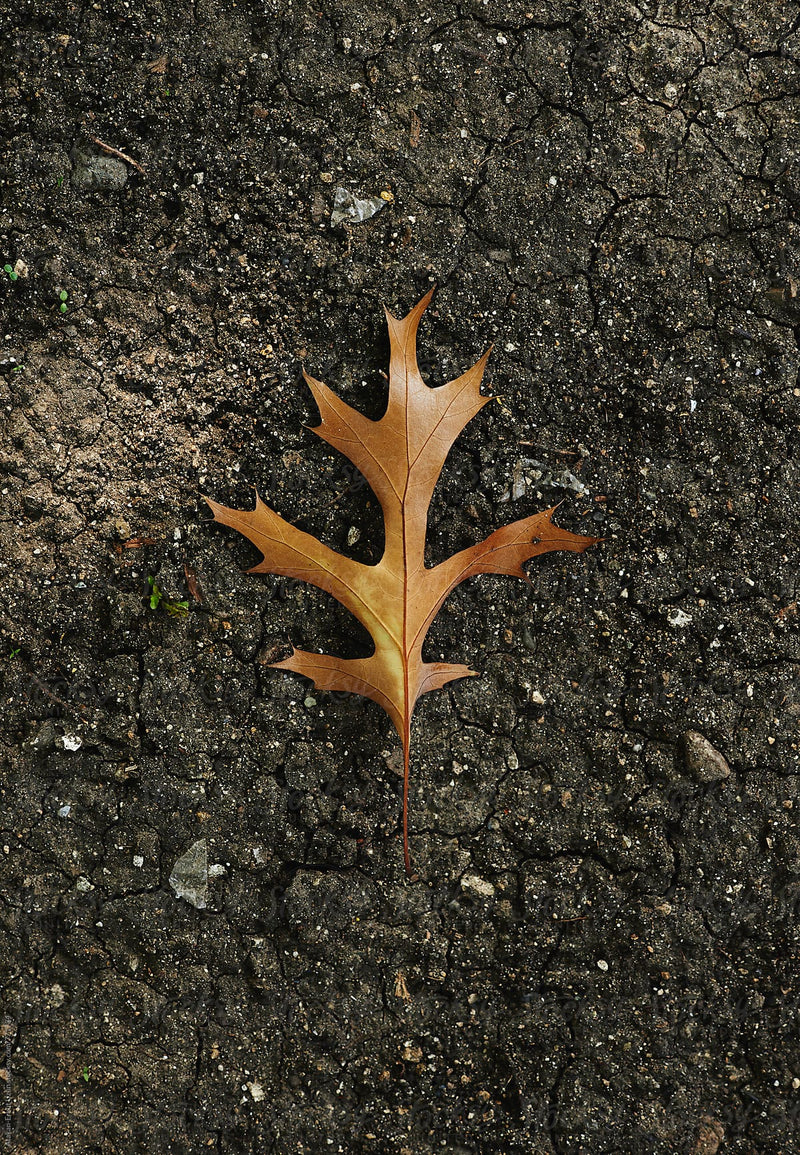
[406, 759]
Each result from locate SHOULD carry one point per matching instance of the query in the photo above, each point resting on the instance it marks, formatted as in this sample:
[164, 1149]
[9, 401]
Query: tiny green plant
[14, 653]
[62, 296]
[9, 271]
[155, 593]
[85, 1074]
[174, 609]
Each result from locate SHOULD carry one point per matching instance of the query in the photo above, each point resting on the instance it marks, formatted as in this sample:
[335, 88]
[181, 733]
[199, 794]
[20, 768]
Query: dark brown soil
[600, 955]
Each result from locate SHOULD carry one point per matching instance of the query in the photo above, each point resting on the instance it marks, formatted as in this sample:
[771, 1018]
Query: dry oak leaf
[401, 456]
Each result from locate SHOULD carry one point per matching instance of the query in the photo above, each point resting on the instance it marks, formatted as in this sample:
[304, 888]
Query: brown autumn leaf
[401, 456]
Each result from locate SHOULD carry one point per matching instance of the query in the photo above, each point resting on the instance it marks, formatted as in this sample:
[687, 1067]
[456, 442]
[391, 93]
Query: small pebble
[476, 885]
[702, 761]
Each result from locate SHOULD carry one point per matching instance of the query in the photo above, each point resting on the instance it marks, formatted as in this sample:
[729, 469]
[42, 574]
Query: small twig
[192, 582]
[488, 157]
[115, 152]
[334, 500]
[54, 697]
[138, 542]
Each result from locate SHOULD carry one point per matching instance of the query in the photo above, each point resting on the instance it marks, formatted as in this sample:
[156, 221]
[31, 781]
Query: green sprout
[14, 653]
[174, 609]
[9, 271]
[155, 594]
[85, 1074]
[62, 296]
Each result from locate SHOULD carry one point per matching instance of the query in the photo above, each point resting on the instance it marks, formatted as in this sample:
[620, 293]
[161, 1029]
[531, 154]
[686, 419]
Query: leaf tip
[416, 312]
[285, 663]
[214, 506]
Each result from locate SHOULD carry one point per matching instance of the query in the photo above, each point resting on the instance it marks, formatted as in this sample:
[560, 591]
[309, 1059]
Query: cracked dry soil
[600, 955]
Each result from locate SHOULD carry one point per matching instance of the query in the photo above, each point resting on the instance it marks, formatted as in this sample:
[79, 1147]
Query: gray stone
[93, 172]
[702, 761]
[189, 878]
[352, 209]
